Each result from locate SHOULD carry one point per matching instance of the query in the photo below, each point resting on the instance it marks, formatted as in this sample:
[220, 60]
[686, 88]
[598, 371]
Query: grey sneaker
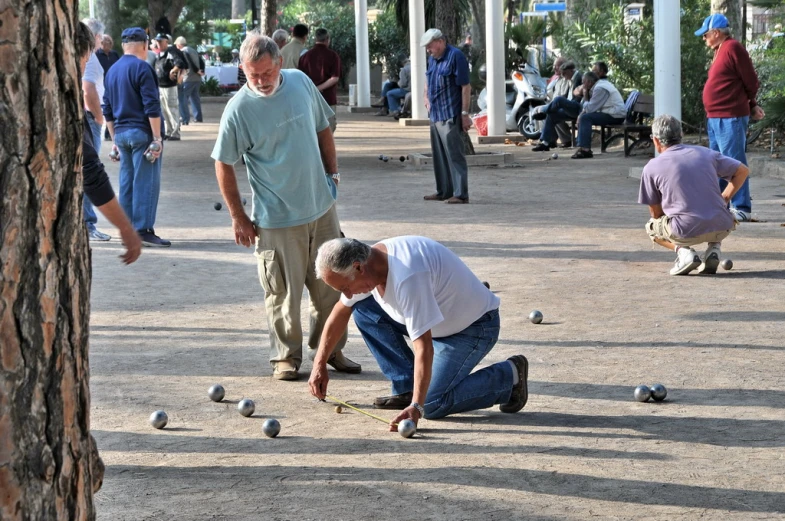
[740, 215]
[520, 391]
[711, 261]
[95, 235]
[686, 261]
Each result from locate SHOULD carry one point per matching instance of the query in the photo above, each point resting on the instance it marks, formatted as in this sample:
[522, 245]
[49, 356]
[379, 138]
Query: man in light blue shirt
[279, 123]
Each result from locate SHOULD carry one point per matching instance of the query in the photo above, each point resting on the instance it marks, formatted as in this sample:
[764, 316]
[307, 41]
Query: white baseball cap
[429, 36]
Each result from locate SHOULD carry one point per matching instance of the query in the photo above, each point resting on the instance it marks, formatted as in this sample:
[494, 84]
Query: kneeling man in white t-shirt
[414, 286]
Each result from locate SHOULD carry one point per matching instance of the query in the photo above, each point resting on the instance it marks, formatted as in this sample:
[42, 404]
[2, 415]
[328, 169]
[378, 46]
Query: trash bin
[353, 95]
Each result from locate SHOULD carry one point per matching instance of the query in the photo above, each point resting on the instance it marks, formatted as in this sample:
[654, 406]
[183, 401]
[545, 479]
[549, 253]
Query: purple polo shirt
[683, 180]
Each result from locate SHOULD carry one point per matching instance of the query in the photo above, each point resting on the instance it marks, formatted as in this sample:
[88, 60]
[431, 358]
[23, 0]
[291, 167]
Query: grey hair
[593, 78]
[96, 26]
[667, 129]
[339, 255]
[256, 45]
[321, 35]
[280, 35]
[724, 30]
[567, 65]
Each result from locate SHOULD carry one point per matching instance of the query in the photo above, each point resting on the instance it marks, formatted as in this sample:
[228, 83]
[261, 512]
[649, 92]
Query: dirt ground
[565, 237]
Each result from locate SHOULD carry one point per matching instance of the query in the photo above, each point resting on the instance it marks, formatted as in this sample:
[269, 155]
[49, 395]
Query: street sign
[554, 7]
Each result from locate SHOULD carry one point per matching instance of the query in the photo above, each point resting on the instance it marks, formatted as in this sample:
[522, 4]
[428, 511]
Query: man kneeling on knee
[416, 287]
[682, 190]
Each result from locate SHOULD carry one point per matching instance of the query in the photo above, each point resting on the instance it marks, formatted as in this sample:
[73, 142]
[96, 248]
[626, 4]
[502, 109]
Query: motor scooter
[524, 92]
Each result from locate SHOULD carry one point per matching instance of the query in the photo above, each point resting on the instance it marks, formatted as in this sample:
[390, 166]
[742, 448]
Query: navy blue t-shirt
[131, 95]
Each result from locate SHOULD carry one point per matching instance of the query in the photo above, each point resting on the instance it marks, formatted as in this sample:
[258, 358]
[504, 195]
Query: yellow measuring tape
[339, 402]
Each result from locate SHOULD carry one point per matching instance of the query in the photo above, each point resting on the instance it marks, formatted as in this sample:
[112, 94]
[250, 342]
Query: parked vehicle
[524, 91]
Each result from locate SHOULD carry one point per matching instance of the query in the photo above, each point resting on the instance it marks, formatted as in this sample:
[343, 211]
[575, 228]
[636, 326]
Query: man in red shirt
[323, 66]
[729, 100]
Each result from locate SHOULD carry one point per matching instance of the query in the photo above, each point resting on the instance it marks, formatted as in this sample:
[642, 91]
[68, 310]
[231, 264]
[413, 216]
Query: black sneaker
[539, 116]
[520, 391]
[173, 138]
[149, 238]
[542, 147]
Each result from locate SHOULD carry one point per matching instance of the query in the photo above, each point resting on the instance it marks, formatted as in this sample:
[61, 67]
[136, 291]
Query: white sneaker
[711, 261]
[740, 215]
[95, 235]
[686, 261]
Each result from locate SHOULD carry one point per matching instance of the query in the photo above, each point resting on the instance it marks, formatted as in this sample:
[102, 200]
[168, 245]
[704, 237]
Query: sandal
[583, 154]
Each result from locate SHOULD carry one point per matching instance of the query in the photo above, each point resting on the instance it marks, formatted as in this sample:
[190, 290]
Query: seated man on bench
[602, 105]
[565, 94]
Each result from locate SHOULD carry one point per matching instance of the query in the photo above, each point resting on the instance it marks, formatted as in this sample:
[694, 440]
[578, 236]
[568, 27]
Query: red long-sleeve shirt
[732, 84]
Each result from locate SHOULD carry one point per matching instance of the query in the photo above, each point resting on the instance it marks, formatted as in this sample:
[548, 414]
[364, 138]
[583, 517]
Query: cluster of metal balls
[384, 158]
[656, 392]
[246, 407]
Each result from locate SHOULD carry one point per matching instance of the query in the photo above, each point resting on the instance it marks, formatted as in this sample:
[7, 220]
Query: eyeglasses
[706, 34]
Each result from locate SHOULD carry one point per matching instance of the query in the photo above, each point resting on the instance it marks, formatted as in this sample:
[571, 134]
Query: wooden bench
[641, 111]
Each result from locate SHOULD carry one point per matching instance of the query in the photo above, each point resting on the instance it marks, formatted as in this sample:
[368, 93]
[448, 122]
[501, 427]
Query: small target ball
[642, 393]
[217, 206]
[271, 427]
[535, 317]
[555, 156]
[338, 409]
[658, 392]
[407, 428]
[246, 407]
[216, 393]
[486, 284]
[726, 264]
[402, 158]
[159, 419]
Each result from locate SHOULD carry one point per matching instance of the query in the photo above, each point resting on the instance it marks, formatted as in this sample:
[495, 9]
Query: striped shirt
[445, 78]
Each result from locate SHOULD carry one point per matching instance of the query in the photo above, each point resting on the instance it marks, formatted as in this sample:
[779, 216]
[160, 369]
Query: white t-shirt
[94, 73]
[429, 288]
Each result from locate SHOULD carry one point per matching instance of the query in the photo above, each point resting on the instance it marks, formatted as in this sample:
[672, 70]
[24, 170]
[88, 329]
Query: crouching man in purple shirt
[686, 205]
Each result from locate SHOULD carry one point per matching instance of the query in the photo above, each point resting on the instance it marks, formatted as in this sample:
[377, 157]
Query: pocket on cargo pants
[270, 274]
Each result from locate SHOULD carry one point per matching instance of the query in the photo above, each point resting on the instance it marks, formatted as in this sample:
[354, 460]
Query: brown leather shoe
[285, 370]
[433, 197]
[395, 401]
[520, 391]
[457, 200]
[342, 364]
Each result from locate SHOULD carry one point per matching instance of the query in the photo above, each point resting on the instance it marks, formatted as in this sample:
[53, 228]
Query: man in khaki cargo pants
[279, 123]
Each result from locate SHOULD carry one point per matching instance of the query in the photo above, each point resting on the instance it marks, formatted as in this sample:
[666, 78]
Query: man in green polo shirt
[279, 123]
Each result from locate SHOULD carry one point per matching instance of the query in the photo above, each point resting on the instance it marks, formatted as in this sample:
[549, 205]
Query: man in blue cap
[729, 100]
[133, 116]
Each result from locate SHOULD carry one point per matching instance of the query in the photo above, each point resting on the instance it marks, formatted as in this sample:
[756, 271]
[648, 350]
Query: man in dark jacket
[169, 66]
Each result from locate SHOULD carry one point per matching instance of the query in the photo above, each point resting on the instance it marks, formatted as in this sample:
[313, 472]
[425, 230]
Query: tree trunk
[269, 16]
[478, 25]
[238, 9]
[48, 462]
[157, 9]
[447, 20]
[106, 11]
[732, 11]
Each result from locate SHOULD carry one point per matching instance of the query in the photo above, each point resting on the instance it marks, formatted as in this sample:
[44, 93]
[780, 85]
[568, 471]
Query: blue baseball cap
[133, 34]
[715, 21]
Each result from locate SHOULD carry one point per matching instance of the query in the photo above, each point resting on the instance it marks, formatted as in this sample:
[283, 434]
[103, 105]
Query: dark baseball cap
[133, 34]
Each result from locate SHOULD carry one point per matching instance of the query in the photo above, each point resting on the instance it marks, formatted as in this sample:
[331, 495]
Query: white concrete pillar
[417, 56]
[494, 52]
[667, 58]
[363, 56]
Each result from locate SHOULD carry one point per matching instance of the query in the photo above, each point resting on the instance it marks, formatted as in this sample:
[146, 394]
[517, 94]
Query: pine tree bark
[171, 9]
[49, 467]
[107, 11]
[732, 11]
[269, 16]
[447, 20]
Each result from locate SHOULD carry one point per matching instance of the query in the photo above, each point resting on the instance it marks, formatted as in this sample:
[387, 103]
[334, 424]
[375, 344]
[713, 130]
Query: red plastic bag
[481, 123]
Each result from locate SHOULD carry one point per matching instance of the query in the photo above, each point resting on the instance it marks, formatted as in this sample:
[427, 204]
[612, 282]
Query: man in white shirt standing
[93, 94]
[416, 287]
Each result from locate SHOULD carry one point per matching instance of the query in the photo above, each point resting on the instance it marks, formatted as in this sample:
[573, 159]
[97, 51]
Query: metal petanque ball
[407, 428]
[402, 158]
[658, 392]
[726, 264]
[642, 393]
[535, 317]
[271, 428]
[246, 407]
[555, 156]
[159, 419]
[217, 206]
[385, 159]
[216, 392]
[114, 154]
[381, 157]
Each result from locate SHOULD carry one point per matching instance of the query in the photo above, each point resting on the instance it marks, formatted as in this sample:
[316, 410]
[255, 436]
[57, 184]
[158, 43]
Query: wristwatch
[335, 177]
[419, 408]
[464, 113]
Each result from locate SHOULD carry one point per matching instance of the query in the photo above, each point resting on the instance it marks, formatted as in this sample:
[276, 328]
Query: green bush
[210, 87]
[386, 40]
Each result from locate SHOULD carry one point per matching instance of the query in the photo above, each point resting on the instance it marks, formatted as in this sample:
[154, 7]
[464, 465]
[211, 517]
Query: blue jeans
[140, 180]
[587, 121]
[188, 92]
[394, 97]
[558, 110]
[387, 87]
[728, 136]
[454, 388]
[90, 218]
